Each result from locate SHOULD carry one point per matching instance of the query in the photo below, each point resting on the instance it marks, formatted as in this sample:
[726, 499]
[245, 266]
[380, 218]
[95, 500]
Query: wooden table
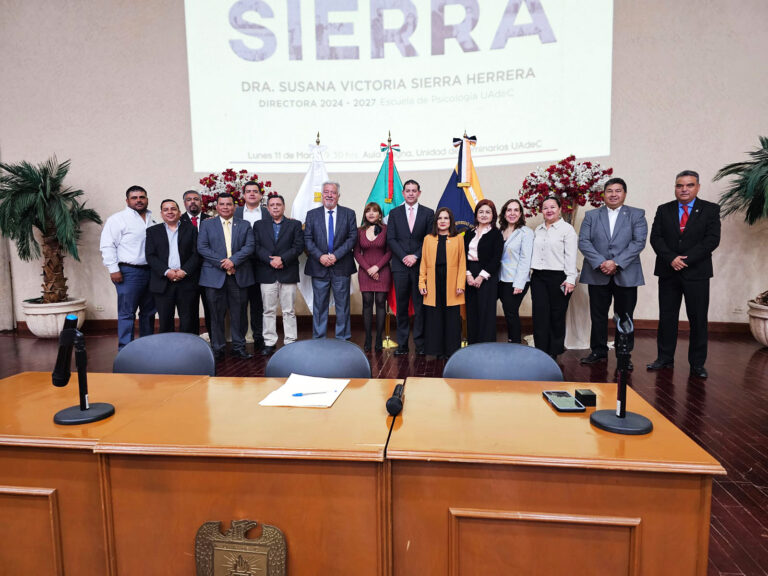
[51, 481]
[181, 451]
[488, 479]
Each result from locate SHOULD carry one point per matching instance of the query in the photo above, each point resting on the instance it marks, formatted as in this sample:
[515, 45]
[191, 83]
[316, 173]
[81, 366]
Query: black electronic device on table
[563, 401]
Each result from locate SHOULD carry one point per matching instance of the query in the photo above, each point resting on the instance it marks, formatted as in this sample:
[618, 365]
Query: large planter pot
[758, 321]
[47, 320]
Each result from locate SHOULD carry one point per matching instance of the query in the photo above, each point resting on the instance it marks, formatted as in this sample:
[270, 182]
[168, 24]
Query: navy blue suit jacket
[402, 241]
[156, 250]
[316, 242]
[289, 245]
[212, 250]
[701, 237]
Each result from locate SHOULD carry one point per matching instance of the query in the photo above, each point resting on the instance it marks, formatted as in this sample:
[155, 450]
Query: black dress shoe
[258, 344]
[699, 372]
[366, 347]
[379, 346]
[630, 366]
[659, 364]
[267, 350]
[594, 358]
[401, 351]
[241, 354]
[420, 351]
[218, 356]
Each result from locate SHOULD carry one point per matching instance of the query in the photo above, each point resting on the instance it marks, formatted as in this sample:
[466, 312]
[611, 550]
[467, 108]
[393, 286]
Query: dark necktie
[194, 221]
[684, 218]
[330, 231]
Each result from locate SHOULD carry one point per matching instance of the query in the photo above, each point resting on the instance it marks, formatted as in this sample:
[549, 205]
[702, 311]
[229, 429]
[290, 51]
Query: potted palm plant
[748, 193]
[34, 203]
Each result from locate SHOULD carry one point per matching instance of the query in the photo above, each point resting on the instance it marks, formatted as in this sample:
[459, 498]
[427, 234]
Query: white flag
[307, 198]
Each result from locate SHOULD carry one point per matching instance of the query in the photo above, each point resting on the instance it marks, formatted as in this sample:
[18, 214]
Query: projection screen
[531, 79]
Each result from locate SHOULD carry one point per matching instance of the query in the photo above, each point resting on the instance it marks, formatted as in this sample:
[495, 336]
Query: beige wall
[105, 84]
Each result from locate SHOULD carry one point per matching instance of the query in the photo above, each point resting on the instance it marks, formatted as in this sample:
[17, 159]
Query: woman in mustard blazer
[442, 278]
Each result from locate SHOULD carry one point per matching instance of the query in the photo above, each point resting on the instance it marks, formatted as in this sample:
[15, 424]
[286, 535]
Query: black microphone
[395, 403]
[61, 372]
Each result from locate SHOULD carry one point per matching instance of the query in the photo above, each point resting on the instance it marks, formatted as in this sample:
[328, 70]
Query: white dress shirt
[252, 215]
[554, 248]
[613, 215]
[123, 239]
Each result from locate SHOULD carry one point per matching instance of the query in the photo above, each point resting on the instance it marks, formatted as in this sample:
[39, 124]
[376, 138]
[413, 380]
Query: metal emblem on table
[233, 554]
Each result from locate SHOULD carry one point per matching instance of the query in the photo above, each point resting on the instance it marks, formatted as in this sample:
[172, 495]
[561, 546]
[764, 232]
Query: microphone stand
[84, 412]
[621, 421]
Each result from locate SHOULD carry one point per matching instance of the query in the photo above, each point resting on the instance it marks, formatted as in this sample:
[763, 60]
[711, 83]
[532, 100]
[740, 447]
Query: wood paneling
[329, 511]
[30, 536]
[516, 542]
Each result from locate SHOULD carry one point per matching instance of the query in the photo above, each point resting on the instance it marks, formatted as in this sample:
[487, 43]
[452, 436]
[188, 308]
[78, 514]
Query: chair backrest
[502, 361]
[167, 353]
[322, 357]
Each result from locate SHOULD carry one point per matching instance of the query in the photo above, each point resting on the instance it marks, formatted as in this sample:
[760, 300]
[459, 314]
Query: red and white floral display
[575, 183]
[228, 181]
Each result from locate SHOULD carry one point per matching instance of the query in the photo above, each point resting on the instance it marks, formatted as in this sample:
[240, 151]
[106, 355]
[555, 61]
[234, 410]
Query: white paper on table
[316, 392]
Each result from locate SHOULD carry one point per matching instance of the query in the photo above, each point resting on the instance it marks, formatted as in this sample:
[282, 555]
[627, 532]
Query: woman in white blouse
[553, 277]
[515, 271]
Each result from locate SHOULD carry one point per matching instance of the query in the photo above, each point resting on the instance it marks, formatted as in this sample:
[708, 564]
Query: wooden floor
[726, 414]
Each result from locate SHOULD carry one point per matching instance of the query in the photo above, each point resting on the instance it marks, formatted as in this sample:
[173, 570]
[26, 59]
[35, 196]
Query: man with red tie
[684, 234]
[194, 215]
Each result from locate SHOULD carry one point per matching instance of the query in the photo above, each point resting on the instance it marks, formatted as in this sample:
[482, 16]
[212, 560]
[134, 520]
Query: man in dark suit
[254, 212]
[406, 228]
[684, 234]
[611, 239]
[278, 243]
[330, 233]
[225, 245]
[194, 215]
[171, 251]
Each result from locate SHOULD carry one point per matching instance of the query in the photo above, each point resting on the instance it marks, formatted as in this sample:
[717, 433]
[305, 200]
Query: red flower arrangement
[231, 182]
[574, 183]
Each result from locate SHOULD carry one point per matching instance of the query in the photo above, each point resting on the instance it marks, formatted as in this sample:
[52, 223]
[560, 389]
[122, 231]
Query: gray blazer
[212, 249]
[624, 247]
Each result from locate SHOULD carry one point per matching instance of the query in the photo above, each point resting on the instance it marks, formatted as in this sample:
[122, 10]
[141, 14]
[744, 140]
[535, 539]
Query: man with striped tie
[684, 234]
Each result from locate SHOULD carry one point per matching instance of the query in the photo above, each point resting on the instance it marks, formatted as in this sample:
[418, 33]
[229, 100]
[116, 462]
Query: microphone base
[632, 423]
[73, 415]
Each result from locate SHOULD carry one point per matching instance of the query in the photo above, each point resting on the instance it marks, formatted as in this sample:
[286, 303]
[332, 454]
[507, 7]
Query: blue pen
[308, 393]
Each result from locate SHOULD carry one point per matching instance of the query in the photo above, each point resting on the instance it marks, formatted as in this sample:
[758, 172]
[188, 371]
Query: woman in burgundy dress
[374, 276]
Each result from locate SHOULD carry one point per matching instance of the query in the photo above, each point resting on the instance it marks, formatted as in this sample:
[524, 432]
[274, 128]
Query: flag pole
[388, 343]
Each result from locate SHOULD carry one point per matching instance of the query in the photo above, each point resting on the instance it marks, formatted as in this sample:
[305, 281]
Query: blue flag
[463, 191]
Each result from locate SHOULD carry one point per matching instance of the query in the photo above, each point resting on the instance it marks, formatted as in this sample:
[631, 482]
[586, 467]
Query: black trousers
[206, 311]
[510, 303]
[407, 288]
[257, 314]
[549, 308]
[233, 298]
[182, 297]
[481, 307]
[672, 291]
[624, 302]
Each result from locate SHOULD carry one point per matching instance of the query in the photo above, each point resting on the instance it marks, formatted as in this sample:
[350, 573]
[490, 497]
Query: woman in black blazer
[484, 245]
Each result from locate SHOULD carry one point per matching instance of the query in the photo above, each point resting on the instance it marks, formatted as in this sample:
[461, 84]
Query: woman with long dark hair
[515, 271]
[442, 277]
[484, 245]
[553, 278]
[373, 255]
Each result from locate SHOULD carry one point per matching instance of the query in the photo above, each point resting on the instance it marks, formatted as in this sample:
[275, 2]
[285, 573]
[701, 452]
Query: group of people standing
[251, 255]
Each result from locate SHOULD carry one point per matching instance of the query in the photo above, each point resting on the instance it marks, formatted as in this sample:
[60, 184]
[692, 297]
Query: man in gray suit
[330, 233]
[225, 245]
[611, 239]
